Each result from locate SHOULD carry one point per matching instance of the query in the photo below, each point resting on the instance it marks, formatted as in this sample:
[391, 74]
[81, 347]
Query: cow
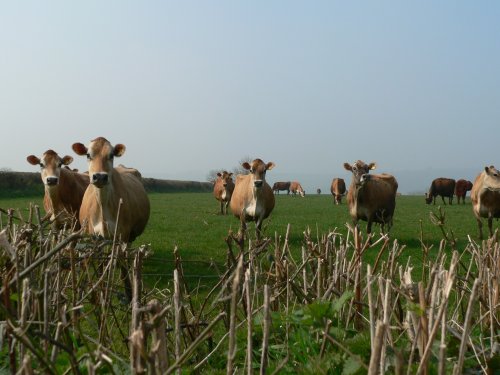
[318, 191]
[371, 198]
[338, 189]
[108, 185]
[64, 188]
[445, 187]
[485, 196]
[295, 188]
[223, 190]
[281, 185]
[253, 198]
[461, 188]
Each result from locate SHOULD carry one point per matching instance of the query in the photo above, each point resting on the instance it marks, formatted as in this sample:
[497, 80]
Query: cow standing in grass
[461, 188]
[281, 186]
[445, 187]
[371, 198]
[296, 188]
[253, 198]
[338, 189]
[64, 188]
[223, 190]
[485, 196]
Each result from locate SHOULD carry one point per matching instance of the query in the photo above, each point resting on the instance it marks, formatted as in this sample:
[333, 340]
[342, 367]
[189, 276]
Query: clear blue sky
[192, 86]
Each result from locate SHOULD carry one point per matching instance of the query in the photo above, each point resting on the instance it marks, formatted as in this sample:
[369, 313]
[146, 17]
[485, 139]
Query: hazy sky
[192, 86]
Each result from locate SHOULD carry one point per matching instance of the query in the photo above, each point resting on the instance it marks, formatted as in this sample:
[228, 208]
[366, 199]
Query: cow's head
[258, 170]
[491, 178]
[50, 166]
[360, 171]
[225, 177]
[100, 155]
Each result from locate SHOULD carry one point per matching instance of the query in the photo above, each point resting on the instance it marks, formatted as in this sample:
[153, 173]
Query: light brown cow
[371, 198]
[485, 196]
[461, 188]
[295, 188]
[101, 213]
[337, 189]
[223, 190]
[64, 188]
[253, 198]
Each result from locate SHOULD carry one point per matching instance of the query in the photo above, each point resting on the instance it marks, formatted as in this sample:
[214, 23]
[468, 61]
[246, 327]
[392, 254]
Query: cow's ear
[67, 160]
[372, 166]
[219, 174]
[33, 160]
[270, 165]
[246, 166]
[230, 174]
[119, 150]
[79, 149]
[348, 166]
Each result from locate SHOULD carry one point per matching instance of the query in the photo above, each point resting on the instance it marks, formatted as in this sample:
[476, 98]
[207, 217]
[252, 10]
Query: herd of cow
[112, 202]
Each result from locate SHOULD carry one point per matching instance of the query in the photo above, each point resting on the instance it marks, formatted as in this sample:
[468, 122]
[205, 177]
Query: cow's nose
[51, 181]
[364, 177]
[100, 178]
[258, 183]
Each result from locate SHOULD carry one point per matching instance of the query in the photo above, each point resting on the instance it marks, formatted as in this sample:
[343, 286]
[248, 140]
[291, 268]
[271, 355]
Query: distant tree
[212, 175]
[239, 168]
[5, 169]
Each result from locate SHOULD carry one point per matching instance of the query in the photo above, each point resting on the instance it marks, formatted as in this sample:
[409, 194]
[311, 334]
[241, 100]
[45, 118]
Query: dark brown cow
[337, 189]
[281, 186]
[223, 190]
[64, 188]
[253, 198]
[295, 188]
[485, 196]
[371, 198]
[445, 187]
[461, 188]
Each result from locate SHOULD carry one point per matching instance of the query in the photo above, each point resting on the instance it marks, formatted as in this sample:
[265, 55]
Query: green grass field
[191, 222]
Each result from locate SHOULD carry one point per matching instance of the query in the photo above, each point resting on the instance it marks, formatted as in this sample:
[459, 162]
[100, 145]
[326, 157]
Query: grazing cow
[485, 196]
[277, 186]
[445, 187]
[371, 198]
[295, 188]
[101, 212]
[253, 198]
[338, 189]
[461, 188]
[223, 189]
[318, 190]
[64, 188]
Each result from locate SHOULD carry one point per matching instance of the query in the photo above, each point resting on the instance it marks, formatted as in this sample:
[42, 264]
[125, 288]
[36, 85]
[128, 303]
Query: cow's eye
[41, 165]
[88, 157]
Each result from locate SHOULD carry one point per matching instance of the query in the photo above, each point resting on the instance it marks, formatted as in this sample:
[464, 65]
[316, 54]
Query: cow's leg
[480, 227]
[222, 207]
[490, 225]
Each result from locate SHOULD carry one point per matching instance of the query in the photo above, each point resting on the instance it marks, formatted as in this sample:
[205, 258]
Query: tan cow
[485, 196]
[101, 202]
[295, 188]
[371, 198]
[64, 188]
[223, 190]
[253, 198]
[337, 189]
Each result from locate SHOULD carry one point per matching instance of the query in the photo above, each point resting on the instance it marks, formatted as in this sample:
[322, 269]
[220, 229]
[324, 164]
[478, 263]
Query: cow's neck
[107, 204]
[54, 199]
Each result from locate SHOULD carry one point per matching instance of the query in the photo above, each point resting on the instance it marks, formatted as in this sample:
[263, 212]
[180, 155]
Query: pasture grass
[192, 223]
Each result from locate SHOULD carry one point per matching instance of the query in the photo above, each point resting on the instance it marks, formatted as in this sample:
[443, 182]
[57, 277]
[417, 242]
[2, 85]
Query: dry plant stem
[177, 318]
[232, 318]
[463, 342]
[374, 367]
[266, 328]
[248, 294]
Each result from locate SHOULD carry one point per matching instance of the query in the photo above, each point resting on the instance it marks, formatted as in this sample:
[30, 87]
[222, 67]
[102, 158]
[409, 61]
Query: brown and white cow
[371, 198]
[295, 188]
[253, 198]
[281, 186]
[100, 212]
[338, 189]
[461, 188]
[223, 190]
[64, 188]
[485, 196]
[445, 187]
